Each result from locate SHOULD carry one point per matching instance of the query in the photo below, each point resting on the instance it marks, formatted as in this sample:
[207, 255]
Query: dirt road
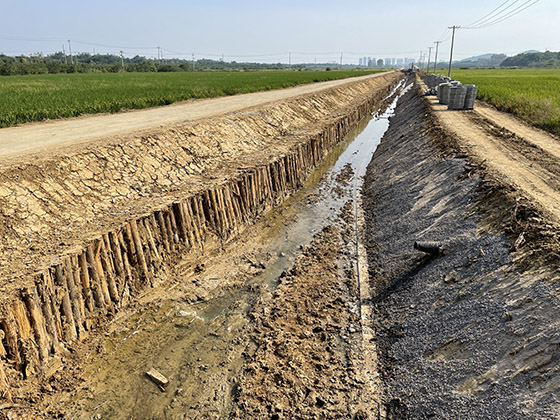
[525, 157]
[55, 136]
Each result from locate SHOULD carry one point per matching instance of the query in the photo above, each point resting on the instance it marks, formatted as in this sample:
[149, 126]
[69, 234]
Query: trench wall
[57, 303]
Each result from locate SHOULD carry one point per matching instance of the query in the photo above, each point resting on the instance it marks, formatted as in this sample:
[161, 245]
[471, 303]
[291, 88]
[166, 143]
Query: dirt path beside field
[524, 157]
[65, 136]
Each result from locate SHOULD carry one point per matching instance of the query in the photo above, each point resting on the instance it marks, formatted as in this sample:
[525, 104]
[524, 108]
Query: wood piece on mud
[110, 274]
[207, 210]
[157, 378]
[139, 251]
[68, 325]
[193, 221]
[50, 322]
[129, 281]
[86, 281]
[226, 215]
[76, 269]
[95, 281]
[5, 390]
[174, 227]
[188, 223]
[98, 245]
[180, 219]
[114, 245]
[110, 258]
[3, 352]
[26, 344]
[29, 295]
[143, 235]
[218, 224]
[73, 293]
[9, 327]
[169, 228]
[129, 245]
[155, 232]
[200, 214]
[163, 230]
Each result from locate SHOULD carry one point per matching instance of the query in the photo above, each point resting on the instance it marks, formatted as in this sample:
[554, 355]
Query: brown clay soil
[52, 203]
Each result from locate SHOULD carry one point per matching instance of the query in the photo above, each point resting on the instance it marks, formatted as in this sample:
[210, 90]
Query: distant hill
[548, 59]
[484, 60]
[478, 57]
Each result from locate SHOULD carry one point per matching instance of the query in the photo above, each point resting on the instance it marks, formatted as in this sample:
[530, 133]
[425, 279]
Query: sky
[261, 31]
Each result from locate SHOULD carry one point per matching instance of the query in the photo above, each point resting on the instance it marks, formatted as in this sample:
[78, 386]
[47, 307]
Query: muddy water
[199, 346]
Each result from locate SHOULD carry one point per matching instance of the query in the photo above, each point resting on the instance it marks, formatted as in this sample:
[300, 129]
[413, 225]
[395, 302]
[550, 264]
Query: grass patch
[35, 98]
[531, 94]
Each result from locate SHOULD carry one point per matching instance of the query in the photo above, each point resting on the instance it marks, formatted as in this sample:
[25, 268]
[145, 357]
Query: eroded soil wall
[84, 233]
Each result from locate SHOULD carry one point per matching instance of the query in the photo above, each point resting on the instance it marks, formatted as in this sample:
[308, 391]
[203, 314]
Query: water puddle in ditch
[199, 346]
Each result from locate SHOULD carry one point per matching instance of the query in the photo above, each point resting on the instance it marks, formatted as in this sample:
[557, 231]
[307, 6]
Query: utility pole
[452, 43]
[437, 48]
[420, 60]
[158, 53]
[64, 52]
[429, 57]
[193, 61]
[289, 59]
[341, 60]
[70, 48]
[122, 60]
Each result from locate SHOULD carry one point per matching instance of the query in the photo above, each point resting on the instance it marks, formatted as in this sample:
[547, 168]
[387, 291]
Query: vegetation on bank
[531, 94]
[547, 59]
[35, 98]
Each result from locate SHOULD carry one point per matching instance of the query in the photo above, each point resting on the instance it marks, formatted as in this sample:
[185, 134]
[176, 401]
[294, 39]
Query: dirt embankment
[52, 207]
[101, 225]
[471, 333]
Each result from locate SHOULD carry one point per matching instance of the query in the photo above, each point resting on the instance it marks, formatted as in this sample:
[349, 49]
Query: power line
[476, 22]
[498, 19]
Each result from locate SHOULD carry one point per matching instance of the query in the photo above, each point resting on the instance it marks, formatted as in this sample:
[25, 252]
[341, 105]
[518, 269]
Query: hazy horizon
[253, 31]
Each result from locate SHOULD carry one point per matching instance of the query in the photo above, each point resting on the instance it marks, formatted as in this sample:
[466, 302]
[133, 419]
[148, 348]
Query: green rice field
[36, 98]
[531, 94]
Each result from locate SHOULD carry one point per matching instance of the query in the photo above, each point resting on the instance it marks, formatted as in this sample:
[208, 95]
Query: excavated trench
[68, 287]
[199, 345]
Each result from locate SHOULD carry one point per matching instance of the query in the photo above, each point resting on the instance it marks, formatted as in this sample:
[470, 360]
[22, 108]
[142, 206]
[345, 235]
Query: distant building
[388, 62]
[361, 62]
[400, 62]
[380, 62]
[373, 62]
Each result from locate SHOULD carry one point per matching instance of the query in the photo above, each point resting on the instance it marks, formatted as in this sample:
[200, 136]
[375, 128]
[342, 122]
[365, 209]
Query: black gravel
[461, 335]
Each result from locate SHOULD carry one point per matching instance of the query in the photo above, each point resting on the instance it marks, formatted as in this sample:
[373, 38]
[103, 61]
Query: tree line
[109, 63]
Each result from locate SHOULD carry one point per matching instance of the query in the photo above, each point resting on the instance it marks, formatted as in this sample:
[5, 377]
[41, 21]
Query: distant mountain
[484, 60]
[477, 57]
[548, 59]
[530, 52]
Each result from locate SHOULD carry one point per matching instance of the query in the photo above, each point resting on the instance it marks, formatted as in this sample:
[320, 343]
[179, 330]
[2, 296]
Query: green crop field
[531, 94]
[35, 98]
